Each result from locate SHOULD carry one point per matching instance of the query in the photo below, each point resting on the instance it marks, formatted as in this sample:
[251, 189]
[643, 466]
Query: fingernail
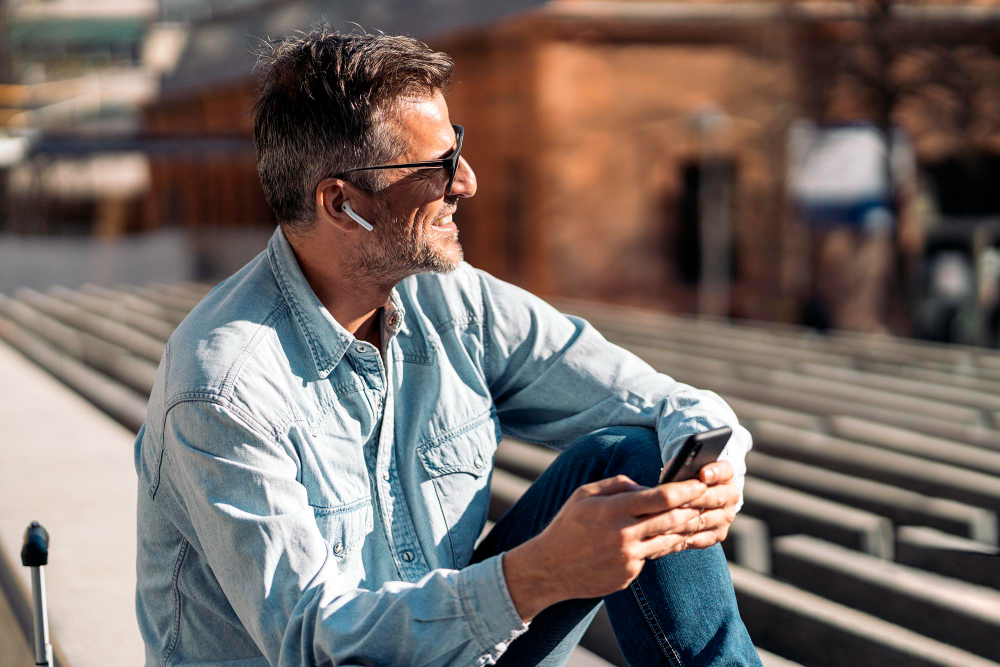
[709, 475]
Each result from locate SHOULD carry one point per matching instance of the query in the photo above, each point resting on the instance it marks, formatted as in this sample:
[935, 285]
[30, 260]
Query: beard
[394, 251]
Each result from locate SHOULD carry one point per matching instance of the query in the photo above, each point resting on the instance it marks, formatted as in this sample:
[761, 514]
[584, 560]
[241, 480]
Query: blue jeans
[681, 610]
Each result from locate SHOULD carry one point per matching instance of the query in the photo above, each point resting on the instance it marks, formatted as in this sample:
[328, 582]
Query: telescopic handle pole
[35, 554]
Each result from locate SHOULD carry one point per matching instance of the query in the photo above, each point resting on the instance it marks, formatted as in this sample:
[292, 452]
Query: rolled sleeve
[555, 378]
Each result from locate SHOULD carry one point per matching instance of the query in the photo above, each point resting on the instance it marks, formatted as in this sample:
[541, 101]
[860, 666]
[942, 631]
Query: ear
[331, 193]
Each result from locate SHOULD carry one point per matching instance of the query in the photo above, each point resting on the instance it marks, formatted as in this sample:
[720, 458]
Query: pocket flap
[345, 527]
[470, 450]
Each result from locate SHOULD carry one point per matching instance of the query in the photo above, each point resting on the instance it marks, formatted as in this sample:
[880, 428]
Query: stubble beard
[394, 252]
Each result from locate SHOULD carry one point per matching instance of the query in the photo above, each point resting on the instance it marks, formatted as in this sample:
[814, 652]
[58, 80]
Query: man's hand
[717, 508]
[600, 539]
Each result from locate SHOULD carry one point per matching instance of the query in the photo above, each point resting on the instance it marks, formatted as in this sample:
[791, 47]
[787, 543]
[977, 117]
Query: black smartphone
[697, 451]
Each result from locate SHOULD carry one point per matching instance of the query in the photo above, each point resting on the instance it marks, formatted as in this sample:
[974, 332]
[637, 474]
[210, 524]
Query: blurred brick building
[604, 134]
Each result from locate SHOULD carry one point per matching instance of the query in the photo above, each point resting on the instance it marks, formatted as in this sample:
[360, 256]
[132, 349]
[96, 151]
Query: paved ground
[68, 465]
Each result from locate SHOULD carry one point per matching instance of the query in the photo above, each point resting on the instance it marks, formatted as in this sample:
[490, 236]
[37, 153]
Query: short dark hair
[323, 101]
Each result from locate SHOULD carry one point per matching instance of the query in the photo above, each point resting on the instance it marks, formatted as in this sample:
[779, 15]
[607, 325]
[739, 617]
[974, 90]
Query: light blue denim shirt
[306, 499]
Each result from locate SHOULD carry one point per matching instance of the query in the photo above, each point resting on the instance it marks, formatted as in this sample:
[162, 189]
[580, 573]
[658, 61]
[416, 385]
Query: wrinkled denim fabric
[307, 499]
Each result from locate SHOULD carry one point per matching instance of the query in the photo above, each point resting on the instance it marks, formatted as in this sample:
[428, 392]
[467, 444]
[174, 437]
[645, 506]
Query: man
[314, 470]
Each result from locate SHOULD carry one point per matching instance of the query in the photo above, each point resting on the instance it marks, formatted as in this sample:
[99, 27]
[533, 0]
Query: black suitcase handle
[35, 551]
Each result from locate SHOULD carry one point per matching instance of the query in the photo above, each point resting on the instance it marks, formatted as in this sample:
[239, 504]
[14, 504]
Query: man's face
[414, 230]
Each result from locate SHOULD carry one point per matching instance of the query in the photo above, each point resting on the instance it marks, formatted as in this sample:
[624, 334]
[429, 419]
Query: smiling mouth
[444, 221]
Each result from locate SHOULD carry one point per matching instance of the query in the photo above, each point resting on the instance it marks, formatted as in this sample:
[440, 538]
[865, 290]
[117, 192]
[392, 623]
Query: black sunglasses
[450, 163]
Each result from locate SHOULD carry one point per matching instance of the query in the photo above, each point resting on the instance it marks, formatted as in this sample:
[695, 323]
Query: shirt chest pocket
[458, 466]
[345, 528]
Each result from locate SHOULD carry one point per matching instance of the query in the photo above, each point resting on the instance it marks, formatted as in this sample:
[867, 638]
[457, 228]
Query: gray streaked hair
[325, 104]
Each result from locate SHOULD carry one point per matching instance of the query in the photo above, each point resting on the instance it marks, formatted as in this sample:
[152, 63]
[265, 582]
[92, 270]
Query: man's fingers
[707, 520]
[661, 545]
[609, 486]
[673, 521]
[721, 495]
[717, 472]
[663, 497]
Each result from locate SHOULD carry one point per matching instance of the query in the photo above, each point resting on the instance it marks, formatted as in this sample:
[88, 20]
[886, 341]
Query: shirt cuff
[488, 606]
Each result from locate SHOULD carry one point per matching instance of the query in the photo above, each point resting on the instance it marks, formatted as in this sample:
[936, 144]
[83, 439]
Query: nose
[464, 184]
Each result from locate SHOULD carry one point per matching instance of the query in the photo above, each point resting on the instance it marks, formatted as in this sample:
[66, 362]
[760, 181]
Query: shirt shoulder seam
[229, 405]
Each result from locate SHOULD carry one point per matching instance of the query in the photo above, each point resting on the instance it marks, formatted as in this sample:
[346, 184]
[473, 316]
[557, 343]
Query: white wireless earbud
[346, 208]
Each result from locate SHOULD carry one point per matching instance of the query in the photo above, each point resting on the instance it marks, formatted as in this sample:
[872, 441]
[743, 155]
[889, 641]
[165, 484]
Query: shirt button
[408, 556]
[393, 319]
[338, 547]
[385, 475]
[479, 463]
[360, 348]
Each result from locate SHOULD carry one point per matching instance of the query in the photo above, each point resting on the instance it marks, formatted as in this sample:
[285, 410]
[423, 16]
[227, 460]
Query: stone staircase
[869, 532]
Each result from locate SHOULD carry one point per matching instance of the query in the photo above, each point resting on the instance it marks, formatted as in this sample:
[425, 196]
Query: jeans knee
[626, 450]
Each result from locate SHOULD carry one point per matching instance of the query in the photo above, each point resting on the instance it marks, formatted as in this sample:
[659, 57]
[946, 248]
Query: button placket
[398, 526]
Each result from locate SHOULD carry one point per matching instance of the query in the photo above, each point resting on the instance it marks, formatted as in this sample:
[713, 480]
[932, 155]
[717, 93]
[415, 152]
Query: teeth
[443, 221]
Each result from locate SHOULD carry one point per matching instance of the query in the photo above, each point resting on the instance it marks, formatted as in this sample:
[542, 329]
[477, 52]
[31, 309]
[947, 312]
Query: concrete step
[813, 630]
[137, 304]
[748, 543]
[117, 311]
[954, 377]
[902, 470]
[135, 341]
[747, 409]
[172, 301]
[839, 348]
[114, 361]
[181, 290]
[581, 657]
[902, 385]
[935, 551]
[975, 457]
[895, 503]
[847, 342]
[725, 367]
[787, 511]
[769, 659]
[943, 608]
[125, 405]
[829, 387]
[826, 406]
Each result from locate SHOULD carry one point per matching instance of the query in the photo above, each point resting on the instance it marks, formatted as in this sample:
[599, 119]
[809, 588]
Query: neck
[351, 298]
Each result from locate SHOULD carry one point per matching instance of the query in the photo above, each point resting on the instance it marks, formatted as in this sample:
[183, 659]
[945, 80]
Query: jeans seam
[177, 602]
[654, 625]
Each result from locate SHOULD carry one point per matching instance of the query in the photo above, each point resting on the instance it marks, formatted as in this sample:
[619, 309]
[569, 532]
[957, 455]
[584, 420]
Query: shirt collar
[328, 341]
